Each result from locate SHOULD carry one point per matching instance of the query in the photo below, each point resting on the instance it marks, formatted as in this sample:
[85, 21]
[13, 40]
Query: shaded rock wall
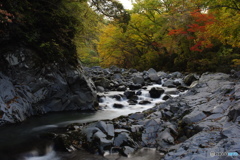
[28, 88]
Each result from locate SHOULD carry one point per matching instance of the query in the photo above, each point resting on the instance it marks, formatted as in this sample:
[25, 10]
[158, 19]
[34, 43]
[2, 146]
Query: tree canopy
[200, 35]
[188, 35]
[55, 29]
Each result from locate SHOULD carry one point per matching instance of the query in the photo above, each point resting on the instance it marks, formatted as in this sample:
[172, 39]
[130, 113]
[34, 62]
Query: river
[23, 141]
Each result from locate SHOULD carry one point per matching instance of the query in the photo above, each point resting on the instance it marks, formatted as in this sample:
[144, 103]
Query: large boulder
[170, 83]
[152, 74]
[156, 92]
[138, 79]
[189, 79]
[234, 114]
[28, 89]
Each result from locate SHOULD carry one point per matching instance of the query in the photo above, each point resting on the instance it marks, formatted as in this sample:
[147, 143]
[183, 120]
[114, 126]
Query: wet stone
[117, 97]
[169, 83]
[139, 93]
[129, 94]
[143, 102]
[138, 80]
[135, 86]
[166, 97]
[132, 102]
[128, 150]
[137, 116]
[121, 88]
[117, 105]
[156, 92]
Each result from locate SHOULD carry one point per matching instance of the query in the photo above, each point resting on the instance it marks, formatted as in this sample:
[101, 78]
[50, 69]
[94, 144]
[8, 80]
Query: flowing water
[23, 141]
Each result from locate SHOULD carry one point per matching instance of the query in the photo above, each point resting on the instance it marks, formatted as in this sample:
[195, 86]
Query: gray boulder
[234, 113]
[189, 79]
[151, 71]
[152, 74]
[169, 83]
[193, 117]
[138, 79]
[123, 139]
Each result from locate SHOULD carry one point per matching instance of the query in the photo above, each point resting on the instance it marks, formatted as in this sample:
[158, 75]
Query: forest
[168, 35]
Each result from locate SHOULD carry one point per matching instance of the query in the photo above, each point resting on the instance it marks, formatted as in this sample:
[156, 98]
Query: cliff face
[28, 88]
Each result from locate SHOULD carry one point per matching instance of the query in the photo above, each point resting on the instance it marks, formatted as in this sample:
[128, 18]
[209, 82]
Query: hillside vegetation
[193, 36]
[59, 31]
[170, 35]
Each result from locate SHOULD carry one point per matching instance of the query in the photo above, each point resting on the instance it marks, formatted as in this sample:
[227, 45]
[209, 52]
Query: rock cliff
[28, 87]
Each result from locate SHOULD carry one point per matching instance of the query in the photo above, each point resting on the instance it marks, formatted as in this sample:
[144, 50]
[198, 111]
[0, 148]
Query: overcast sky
[126, 3]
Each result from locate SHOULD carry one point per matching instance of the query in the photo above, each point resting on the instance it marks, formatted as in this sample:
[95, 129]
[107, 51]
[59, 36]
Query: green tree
[55, 29]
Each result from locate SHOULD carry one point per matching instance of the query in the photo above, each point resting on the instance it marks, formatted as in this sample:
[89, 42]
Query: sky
[126, 4]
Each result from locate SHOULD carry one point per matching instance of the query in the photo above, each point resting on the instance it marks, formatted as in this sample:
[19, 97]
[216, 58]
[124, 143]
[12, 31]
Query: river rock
[193, 117]
[176, 75]
[132, 102]
[101, 81]
[143, 102]
[163, 75]
[117, 97]
[135, 86]
[156, 92]
[129, 94]
[118, 105]
[151, 71]
[152, 75]
[235, 112]
[100, 89]
[138, 93]
[127, 151]
[123, 139]
[115, 69]
[165, 136]
[149, 134]
[169, 83]
[137, 116]
[189, 79]
[172, 92]
[166, 97]
[204, 119]
[138, 79]
[7, 89]
[121, 88]
[106, 128]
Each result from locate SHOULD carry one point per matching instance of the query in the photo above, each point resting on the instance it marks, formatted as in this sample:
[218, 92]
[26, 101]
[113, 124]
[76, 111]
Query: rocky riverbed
[202, 122]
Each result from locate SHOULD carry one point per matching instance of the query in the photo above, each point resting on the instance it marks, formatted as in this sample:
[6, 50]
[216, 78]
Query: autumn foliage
[172, 35]
[5, 17]
[195, 30]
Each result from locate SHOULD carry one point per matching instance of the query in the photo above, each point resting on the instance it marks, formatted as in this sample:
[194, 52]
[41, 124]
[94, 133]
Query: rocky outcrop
[28, 88]
[204, 120]
[117, 79]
